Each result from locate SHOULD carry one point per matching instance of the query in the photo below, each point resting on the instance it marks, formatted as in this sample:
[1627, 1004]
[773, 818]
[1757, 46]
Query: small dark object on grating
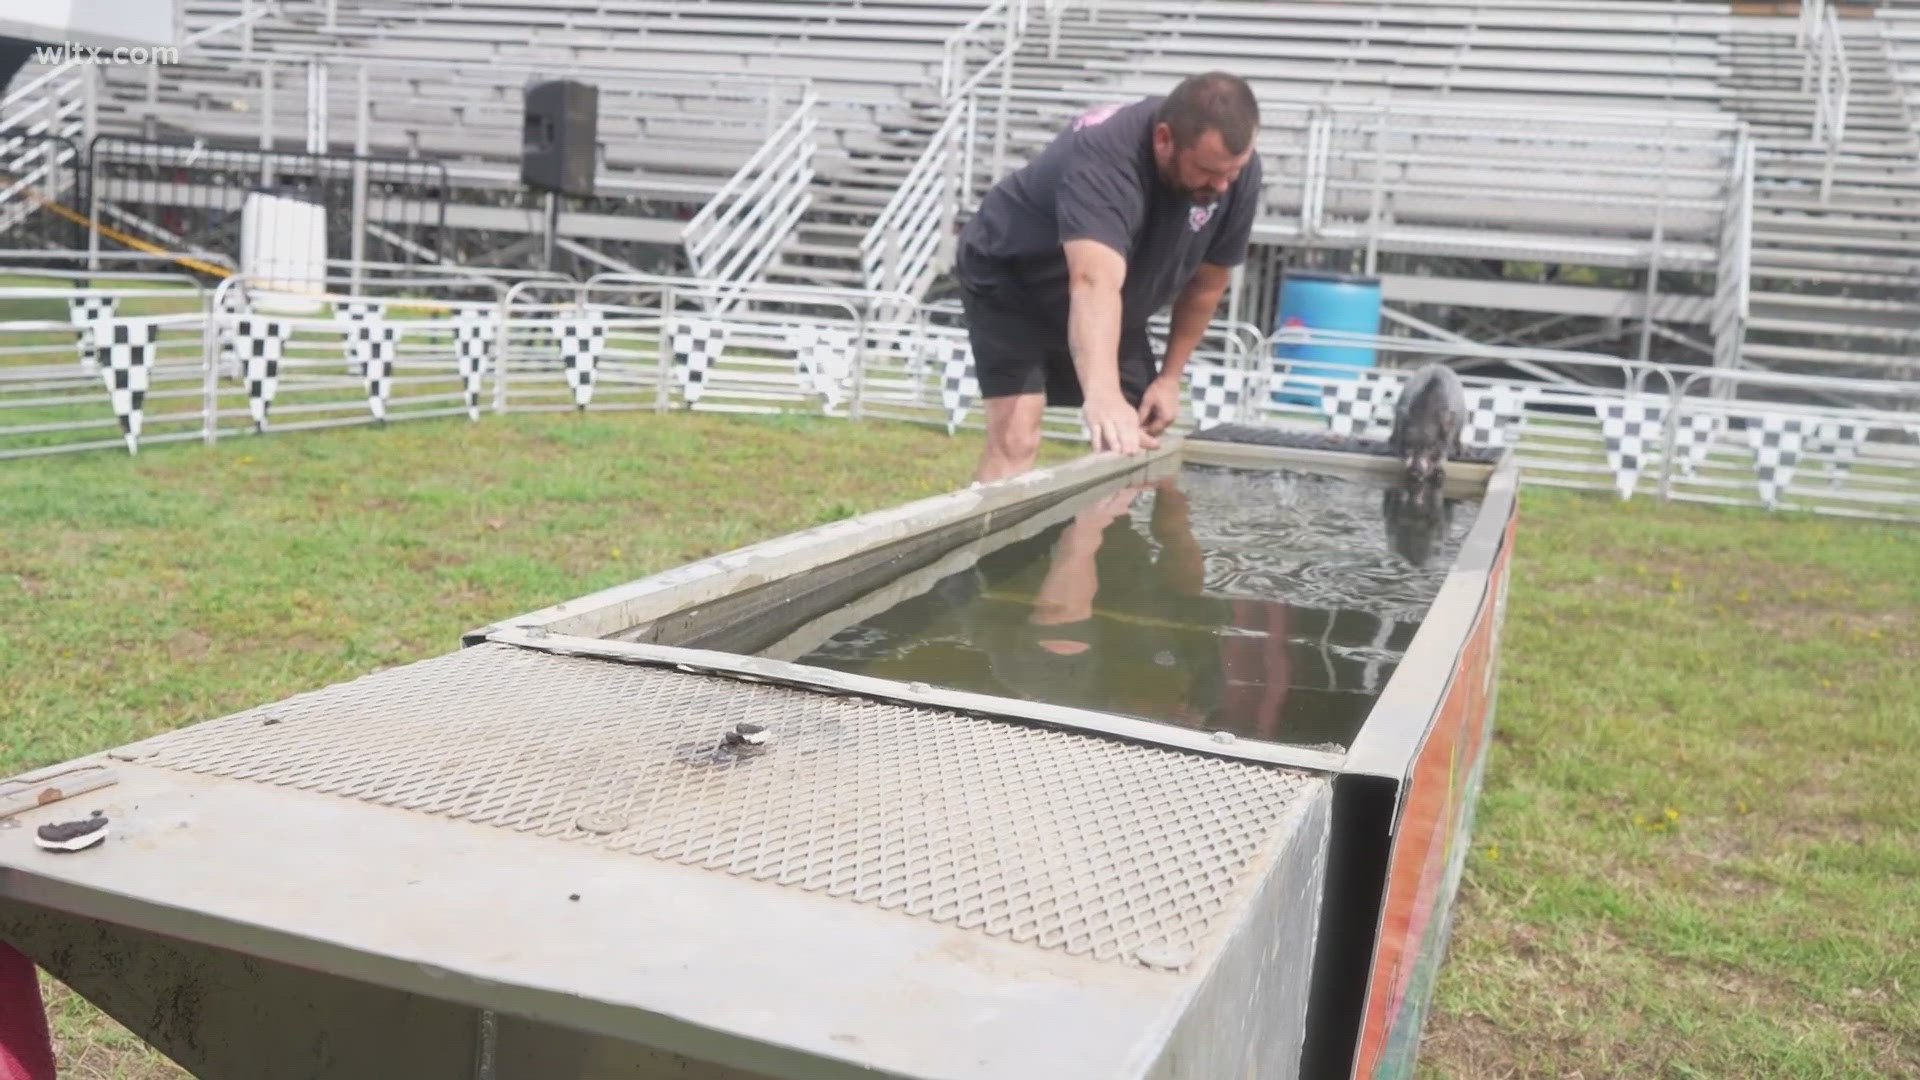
[72, 835]
[1323, 440]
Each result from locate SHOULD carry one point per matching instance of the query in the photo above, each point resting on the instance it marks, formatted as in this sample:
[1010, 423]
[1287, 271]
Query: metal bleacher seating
[1600, 133]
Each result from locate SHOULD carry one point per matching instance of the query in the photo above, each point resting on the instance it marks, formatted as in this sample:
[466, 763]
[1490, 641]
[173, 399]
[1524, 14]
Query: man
[1136, 206]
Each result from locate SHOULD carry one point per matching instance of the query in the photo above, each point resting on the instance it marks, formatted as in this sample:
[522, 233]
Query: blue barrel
[1325, 301]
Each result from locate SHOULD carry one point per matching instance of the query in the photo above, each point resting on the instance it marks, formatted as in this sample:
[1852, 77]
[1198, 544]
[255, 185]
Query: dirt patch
[189, 645]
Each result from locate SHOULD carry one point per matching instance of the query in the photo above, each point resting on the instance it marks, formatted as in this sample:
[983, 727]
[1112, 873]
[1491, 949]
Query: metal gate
[189, 197]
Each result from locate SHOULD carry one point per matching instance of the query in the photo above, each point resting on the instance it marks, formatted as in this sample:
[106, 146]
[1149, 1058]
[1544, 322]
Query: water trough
[632, 835]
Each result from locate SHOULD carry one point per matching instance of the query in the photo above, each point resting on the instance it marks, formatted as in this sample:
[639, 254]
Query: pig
[1427, 422]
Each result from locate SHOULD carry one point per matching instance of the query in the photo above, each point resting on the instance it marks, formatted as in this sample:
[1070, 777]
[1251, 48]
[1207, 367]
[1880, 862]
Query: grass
[1698, 851]
[137, 595]
[1699, 824]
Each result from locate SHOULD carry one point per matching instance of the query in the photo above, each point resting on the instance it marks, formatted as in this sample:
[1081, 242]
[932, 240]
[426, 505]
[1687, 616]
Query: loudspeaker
[557, 142]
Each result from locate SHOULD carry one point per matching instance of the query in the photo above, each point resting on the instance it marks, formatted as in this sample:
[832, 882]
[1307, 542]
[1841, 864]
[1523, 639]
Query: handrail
[1011, 17]
[922, 200]
[1833, 88]
[742, 227]
[1732, 289]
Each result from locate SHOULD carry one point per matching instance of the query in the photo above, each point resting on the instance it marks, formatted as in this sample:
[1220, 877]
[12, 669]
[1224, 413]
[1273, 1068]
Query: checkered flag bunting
[1776, 442]
[371, 344]
[259, 345]
[581, 342]
[1361, 407]
[1843, 440]
[958, 387]
[1219, 394]
[1493, 416]
[357, 311]
[1693, 437]
[824, 355]
[1632, 429]
[124, 348]
[86, 312]
[472, 338]
[697, 344]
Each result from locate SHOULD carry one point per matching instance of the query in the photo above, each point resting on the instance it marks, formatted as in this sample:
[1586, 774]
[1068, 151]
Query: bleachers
[1591, 132]
[1584, 54]
[1901, 24]
[447, 80]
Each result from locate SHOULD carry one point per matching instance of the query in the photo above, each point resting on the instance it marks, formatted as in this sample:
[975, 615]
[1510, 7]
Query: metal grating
[1057, 839]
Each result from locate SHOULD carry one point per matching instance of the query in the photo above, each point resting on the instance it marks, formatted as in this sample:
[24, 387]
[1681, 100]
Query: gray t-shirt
[1098, 180]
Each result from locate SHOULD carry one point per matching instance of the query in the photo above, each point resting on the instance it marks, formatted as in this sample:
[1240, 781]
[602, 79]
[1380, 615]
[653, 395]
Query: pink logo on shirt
[1199, 216]
[1095, 118]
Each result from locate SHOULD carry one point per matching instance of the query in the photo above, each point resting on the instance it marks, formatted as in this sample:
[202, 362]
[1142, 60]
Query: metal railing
[902, 248]
[985, 45]
[1832, 79]
[1733, 284]
[741, 228]
[640, 342]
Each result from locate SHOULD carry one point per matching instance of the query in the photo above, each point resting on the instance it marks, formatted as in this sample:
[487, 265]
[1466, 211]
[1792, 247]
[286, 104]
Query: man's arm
[1192, 313]
[1095, 273]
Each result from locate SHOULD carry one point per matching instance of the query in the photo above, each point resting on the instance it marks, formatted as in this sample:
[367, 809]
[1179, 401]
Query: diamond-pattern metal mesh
[1057, 839]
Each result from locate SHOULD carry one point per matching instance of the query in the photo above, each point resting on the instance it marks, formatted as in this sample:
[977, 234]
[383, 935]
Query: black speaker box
[557, 141]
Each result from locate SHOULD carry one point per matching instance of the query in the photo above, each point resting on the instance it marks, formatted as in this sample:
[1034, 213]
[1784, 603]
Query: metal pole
[663, 380]
[93, 206]
[357, 251]
[1379, 192]
[89, 104]
[313, 80]
[210, 376]
[552, 231]
[1000, 123]
[266, 115]
[1653, 263]
[969, 136]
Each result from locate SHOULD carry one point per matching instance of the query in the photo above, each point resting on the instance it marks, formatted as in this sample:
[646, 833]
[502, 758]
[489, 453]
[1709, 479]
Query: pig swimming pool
[1273, 604]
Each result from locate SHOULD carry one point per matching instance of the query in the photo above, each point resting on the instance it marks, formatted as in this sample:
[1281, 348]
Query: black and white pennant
[86, 311]
[1694, 434]
[124, 348]
[824, 357]
[1361, 407]
[1632, 429]
[1776, 442]
[357, 311]
[472, 340]
[1842, 440]
[697, 345]
[371, 345]
[1493, 416]
[581, 342]
[959, 389]
[1219, 394]
[260, 345]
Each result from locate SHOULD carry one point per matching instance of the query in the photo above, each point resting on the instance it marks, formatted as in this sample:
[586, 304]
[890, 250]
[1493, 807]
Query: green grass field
[1697, 855]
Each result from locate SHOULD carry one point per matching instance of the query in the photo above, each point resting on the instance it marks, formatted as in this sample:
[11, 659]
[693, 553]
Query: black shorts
[1016, 351]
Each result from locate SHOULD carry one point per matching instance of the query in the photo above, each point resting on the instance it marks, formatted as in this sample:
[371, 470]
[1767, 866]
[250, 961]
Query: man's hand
[1114, 425]
[1095, 273]
[1160, 405]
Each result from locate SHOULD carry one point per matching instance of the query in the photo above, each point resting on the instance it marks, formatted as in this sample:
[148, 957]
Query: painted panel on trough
[1430, 845]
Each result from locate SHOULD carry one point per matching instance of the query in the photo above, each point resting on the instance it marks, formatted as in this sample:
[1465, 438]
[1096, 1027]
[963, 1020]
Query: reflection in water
[1417, 516]
[1271, 604]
